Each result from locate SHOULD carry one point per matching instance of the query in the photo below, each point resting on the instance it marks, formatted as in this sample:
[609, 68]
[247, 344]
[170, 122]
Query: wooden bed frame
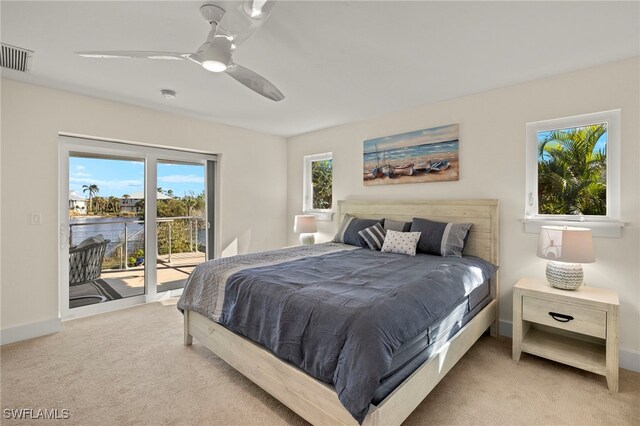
[317, 402]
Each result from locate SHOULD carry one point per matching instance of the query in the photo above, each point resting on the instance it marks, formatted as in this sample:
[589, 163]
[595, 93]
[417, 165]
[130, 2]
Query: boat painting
[429, 155]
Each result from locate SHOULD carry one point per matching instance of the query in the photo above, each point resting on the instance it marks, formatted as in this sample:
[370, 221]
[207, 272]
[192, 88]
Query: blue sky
[418, 137]
[119, 177]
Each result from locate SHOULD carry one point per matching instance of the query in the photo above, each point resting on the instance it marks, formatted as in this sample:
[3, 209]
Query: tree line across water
[175, 235]
[189, 205]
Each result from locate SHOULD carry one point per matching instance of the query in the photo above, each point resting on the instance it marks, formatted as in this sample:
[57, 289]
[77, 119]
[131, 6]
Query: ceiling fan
[216, 53]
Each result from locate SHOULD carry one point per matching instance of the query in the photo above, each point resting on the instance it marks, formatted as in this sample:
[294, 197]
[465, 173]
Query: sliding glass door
[135, 221]
[182, 222]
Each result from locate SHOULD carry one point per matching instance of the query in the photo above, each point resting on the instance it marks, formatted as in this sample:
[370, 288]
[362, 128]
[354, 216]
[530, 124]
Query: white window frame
[307, 194]
[607, 226]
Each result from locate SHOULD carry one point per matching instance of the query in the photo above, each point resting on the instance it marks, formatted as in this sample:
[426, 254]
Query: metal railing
[127, 236]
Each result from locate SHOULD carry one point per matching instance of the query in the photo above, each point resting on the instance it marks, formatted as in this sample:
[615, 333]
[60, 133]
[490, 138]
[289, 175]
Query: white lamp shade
[305, 224]
[566, 244]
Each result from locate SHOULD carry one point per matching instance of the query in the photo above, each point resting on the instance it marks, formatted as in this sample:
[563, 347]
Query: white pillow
[401, 242]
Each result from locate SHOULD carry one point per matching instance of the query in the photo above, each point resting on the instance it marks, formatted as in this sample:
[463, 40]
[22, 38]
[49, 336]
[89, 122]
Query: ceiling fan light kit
[217, 57]
[215, 54]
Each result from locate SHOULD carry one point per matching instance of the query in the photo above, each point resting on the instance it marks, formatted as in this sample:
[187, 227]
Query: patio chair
[85, 260]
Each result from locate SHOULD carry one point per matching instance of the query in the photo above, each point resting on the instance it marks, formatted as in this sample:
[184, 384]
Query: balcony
[181, 247]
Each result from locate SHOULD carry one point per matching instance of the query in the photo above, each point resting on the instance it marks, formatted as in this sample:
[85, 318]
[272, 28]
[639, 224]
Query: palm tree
[92, 190]
[571, 173]
[114, 204]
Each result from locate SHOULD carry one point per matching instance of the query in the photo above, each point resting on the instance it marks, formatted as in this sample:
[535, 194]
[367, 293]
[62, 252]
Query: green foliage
[571, 176]
[189, 205]
[183, 234]
[322, 180]
[183, 231]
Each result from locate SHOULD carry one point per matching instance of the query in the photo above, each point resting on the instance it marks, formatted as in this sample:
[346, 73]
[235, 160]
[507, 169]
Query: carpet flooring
[129, 367]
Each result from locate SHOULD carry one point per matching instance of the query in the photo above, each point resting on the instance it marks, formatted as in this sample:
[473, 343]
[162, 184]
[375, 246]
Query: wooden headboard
[483, 214]
[484, 236]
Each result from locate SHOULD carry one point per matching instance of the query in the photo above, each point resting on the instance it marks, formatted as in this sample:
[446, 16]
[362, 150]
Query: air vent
[15, 58]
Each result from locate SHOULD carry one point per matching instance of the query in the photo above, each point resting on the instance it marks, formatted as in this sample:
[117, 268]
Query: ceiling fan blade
[254, 82]
[247, 19]
[134, 54]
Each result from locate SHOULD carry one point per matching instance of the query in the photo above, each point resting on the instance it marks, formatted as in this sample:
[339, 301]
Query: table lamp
[565, 248]
[306, 226]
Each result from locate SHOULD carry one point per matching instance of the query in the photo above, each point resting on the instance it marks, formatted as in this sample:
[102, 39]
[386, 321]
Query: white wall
[492, 165]
[252, 204]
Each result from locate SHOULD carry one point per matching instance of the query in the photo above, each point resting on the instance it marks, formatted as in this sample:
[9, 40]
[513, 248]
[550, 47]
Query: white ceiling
[336, 62]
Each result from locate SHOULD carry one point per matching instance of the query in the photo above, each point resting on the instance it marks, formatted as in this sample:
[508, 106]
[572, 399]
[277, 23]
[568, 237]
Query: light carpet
[129, 367]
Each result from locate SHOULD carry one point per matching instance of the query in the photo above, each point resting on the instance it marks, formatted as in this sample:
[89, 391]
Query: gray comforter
[336, 312]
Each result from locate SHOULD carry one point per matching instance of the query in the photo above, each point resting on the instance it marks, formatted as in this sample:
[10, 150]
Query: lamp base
[306, 239]
[566, 276]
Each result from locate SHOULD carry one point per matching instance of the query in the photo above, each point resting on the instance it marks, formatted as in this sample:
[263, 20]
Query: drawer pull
[560, 317]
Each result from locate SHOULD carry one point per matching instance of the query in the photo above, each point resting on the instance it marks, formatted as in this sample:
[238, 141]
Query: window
[573, 169]
[318, 183]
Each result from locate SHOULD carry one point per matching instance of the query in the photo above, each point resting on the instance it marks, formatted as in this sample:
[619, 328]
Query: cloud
[79, 167]
[108, 186]
[418, 137]
[181, 179]
[82, 174]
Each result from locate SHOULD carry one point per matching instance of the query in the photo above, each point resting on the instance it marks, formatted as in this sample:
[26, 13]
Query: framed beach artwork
[429, 155]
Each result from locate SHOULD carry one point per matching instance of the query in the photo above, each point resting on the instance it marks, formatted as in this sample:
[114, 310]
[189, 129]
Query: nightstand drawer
[592, 322]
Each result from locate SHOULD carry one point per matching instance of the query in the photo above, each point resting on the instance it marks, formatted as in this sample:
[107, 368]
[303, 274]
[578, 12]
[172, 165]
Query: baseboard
[29, 331]
[629, 359]
[504, 328]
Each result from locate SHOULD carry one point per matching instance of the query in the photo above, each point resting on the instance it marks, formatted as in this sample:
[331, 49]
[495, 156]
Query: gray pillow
[348, 231]
[439, 238]
[373, 236]
[396, 225]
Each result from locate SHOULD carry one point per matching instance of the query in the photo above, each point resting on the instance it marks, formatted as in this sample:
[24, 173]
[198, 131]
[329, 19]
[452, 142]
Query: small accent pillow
[396, 225]
[373, 236]
[348, 231]
[439, 238]
[401, 242]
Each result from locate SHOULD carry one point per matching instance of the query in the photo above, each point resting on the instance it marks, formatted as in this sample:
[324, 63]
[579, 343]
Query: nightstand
[574, 327]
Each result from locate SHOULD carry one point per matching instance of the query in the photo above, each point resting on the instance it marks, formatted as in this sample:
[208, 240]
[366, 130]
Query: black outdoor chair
[85, 261]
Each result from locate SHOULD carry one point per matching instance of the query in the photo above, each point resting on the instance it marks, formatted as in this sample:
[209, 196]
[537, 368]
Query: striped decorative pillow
[349, 229]
[373, 236]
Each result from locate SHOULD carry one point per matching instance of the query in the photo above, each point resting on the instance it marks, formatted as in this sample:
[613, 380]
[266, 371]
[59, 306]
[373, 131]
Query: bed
[317, 401]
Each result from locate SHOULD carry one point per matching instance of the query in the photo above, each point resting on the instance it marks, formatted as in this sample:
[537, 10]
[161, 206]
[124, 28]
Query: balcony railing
[179, 234]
